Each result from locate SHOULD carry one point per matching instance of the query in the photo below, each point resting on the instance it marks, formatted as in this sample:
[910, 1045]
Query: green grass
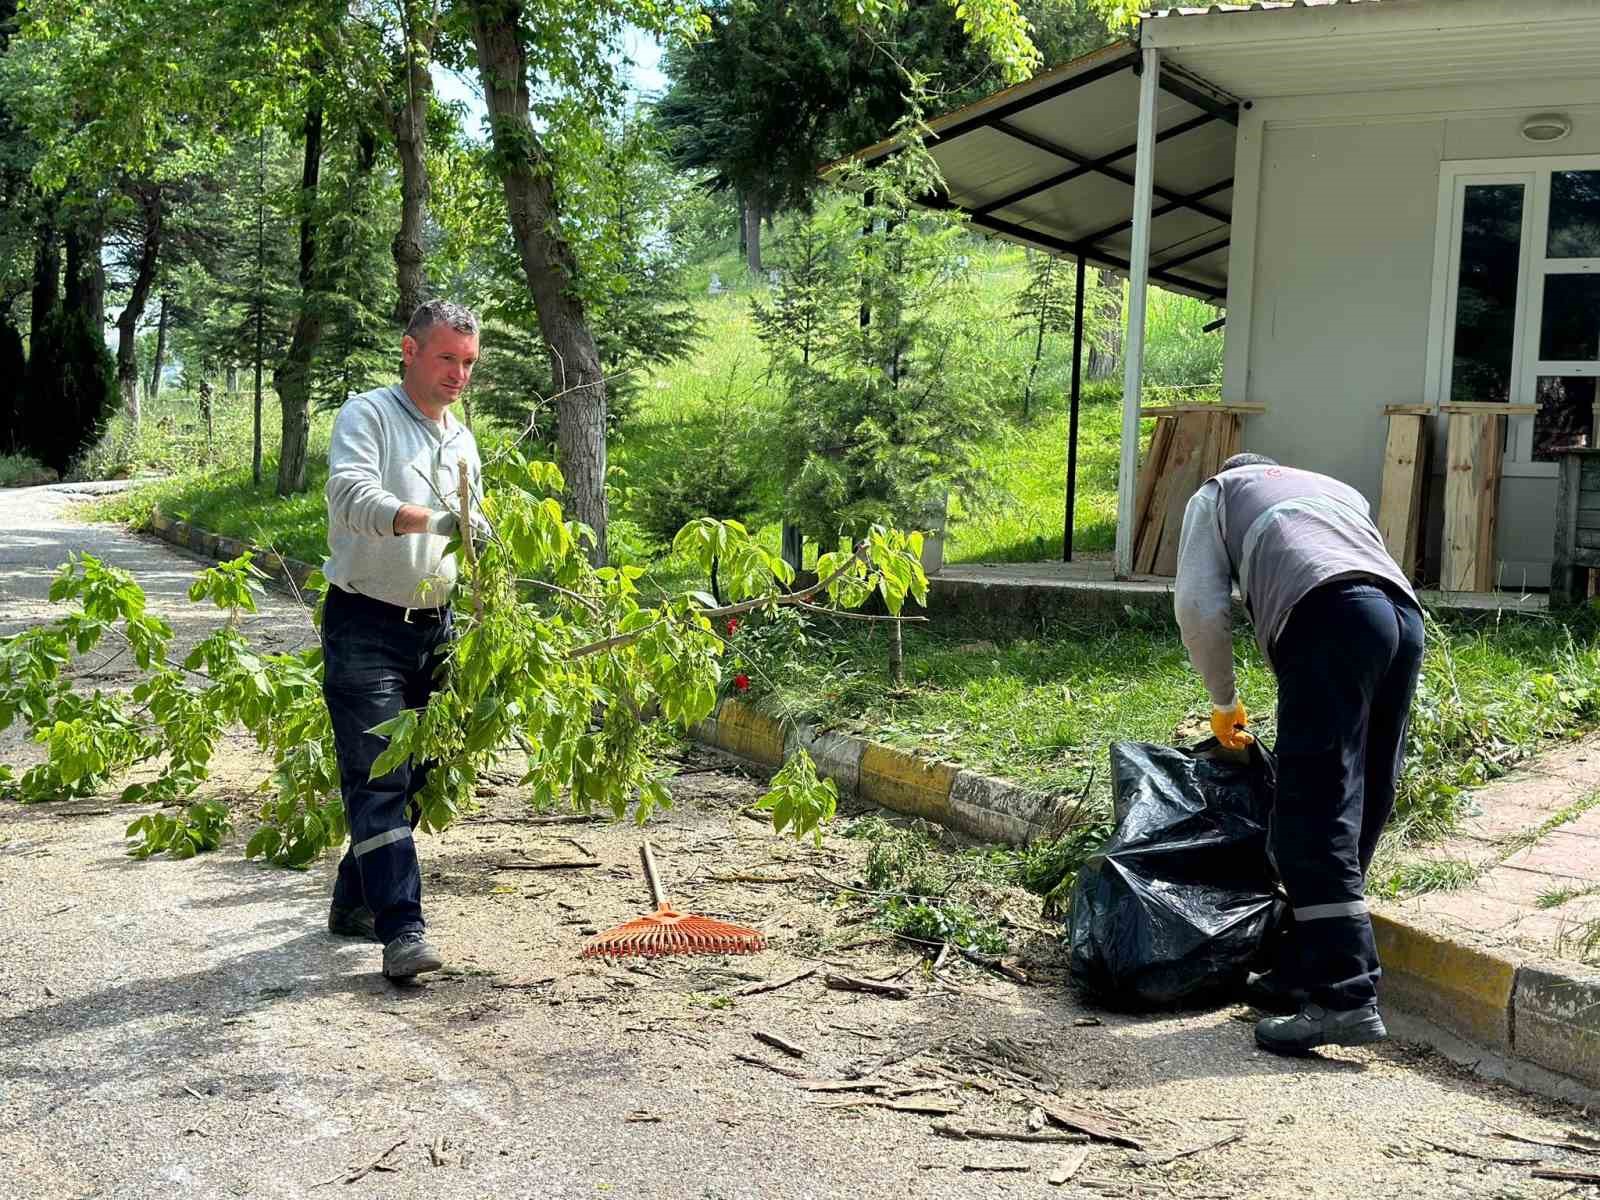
[16, 467]
[1430, 875]
[1042, 711]
[1557, 896]
[209, 482]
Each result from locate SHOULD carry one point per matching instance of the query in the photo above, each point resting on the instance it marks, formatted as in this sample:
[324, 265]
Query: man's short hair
[1247, 460]
[440, 312]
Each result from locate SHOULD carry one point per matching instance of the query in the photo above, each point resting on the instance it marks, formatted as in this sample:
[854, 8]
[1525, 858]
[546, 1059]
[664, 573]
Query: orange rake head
[668, 931]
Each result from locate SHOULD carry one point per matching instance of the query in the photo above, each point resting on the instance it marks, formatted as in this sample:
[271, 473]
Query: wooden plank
[1405, 459]
[1471, 500]
[1588, 498]
[1589, 475]
[1178, 410]
[1156, 520]
[1211, 449]
[1469, 408]
[1408, 410]
[1564, 575]
[1231, 435]
[1182, 478]
[1588, 518]
[1155, 462]
[1587, 539]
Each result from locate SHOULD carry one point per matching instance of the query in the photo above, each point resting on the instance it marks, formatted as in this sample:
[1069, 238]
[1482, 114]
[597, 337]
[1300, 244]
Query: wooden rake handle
[656, 893]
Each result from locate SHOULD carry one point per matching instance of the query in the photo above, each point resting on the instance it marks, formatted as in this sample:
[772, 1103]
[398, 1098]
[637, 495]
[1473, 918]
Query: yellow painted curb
[906, 783]
[743, 731]
[1466, 990]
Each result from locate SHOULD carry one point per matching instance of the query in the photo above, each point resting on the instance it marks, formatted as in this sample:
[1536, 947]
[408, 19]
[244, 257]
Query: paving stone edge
[1542, 1012]
[1522, 1007]
[286, 575]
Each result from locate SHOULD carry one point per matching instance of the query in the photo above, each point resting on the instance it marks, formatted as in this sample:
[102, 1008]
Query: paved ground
[1534, 844]
[188, 1029]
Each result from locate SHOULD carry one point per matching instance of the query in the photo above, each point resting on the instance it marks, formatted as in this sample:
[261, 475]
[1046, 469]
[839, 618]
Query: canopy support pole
[1072, 421]
[1138, 288]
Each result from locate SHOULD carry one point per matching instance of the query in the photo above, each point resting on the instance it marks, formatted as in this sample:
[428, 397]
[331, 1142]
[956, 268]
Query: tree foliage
[563, 662]
[885, 398]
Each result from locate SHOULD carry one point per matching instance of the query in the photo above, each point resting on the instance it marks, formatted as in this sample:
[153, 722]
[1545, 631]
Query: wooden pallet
[1187, 447]
[1475, 442]
[1405, 470]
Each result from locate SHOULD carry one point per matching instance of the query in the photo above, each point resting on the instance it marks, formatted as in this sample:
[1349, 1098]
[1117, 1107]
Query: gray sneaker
[409, 955]
[1315, 1026]
[352, 922]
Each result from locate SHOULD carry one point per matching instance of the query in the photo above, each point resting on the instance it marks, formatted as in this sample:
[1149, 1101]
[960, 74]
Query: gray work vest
[1289, 531]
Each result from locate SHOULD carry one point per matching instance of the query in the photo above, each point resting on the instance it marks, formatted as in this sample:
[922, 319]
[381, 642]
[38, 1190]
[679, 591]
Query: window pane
[1574, 214]
[1486, 296]
[1569, 331]
[1566, 415]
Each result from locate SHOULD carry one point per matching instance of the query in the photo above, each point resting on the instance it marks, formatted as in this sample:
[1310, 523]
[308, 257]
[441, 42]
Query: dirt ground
[190, 1029]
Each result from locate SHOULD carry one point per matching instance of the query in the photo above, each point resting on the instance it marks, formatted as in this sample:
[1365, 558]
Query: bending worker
[1341, 628]
[393, 467]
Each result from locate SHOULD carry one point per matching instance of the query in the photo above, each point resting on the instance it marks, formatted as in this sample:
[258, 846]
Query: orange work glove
[1228, 724]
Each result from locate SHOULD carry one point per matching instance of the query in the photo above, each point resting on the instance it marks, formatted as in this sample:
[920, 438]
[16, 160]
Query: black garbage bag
[1178, 904]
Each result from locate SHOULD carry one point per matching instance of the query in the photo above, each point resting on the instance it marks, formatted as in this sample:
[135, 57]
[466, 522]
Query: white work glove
[443, 522]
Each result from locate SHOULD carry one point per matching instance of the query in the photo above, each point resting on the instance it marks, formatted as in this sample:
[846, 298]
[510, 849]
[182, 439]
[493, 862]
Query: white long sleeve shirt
[384, 454]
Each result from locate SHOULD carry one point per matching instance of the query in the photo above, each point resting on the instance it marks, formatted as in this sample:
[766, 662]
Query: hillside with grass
[695, 437]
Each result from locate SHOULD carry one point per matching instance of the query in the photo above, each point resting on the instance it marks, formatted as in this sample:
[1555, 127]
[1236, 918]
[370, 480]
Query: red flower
[733, 626]
[741, 683]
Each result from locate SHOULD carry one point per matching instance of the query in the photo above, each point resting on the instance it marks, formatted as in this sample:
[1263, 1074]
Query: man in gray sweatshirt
[1339, 625]
[393, 469]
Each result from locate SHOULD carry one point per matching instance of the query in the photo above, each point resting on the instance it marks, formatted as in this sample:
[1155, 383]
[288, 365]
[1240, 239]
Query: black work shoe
[352, 922]
[1266, 991]
[1315, 1026]
[408, 955]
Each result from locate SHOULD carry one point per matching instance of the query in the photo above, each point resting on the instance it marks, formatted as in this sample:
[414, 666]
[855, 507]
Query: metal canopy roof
[1315, 47]
[1049, 163]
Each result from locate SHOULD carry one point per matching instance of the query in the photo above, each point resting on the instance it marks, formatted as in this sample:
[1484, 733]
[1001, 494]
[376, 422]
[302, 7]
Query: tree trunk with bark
[548, 262]
[85, 281]
[46, 276]
[161, 352]
[233, 379]
[751, 217]
[292, 379]
[148, 197]
[408, 122]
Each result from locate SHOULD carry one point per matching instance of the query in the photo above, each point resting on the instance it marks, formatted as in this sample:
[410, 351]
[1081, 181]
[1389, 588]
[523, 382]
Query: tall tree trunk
[148, 197]
[292, 379]
[261, 296]
[161, 352]
[46, 276]
[752, 234]
[547, 261]
[85, 283]
[409, 124]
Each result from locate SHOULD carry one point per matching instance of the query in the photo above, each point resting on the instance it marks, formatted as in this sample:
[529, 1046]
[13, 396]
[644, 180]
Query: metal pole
[1138, 287]
[1072, 421]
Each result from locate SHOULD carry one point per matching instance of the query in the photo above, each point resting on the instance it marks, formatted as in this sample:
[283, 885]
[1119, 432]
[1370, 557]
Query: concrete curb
[1523, 1009]
[991, 810]
[286, 575]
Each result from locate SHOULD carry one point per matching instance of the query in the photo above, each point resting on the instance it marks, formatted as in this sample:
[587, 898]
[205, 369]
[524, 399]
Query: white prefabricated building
[1393, 202]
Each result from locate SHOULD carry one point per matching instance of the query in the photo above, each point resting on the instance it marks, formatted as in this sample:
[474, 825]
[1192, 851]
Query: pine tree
[1043, 307]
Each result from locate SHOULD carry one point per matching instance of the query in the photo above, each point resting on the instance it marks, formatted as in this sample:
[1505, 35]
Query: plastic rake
[668, 931]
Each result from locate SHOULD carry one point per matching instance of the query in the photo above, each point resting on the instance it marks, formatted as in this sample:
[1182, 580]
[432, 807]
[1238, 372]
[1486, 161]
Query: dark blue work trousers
[1347, 663]
[375, 663]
